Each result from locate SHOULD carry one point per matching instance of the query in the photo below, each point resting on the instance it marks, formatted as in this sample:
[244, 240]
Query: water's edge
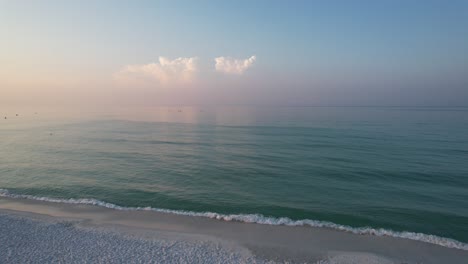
[258, 219]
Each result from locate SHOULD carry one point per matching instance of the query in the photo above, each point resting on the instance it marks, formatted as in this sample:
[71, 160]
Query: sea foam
[258, 219]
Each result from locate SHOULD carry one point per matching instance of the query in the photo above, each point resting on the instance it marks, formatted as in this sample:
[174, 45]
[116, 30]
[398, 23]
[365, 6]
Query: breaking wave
[259, 219]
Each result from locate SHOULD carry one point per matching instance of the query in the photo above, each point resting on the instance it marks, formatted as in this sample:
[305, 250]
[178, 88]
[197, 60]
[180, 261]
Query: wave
[258, 219]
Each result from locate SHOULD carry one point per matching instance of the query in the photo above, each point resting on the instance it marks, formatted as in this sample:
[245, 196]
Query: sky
[288, 53]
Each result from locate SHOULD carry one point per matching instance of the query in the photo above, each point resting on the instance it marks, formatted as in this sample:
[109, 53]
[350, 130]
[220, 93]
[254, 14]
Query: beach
[234, 132]
[39, 231]
[256, 188]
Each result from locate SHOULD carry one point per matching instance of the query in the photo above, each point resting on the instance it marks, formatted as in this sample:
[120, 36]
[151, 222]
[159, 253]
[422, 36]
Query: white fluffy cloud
[164, 71]
[233, 66]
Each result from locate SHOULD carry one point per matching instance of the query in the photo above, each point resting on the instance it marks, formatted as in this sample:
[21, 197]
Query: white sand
[38, 232]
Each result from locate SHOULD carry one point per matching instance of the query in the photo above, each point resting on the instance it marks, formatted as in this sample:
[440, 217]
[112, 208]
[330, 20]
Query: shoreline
[257, 242]
[256, 218]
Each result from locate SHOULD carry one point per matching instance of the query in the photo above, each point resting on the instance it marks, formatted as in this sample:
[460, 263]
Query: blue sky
[306, 52]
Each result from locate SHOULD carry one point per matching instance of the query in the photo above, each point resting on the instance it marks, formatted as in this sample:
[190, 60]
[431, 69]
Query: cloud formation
[165, 71]
[233, 66]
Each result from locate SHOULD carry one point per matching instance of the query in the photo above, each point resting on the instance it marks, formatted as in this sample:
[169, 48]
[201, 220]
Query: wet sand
[38, 231]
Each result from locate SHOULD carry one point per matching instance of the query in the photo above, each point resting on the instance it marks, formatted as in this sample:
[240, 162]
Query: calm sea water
[402, 169]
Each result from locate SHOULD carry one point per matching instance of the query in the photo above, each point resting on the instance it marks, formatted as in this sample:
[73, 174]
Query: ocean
[397, 171]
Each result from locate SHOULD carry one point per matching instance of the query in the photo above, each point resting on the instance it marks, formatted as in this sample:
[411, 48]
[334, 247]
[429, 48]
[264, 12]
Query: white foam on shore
[259, 219]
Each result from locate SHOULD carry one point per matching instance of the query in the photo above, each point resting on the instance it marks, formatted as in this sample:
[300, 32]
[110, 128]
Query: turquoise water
[401, 169]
